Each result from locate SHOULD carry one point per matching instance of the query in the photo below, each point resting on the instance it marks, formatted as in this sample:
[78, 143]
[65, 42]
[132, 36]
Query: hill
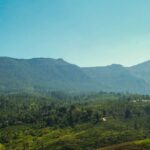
[46, 74]
[141, 71]
[117, 78]
[42, 74]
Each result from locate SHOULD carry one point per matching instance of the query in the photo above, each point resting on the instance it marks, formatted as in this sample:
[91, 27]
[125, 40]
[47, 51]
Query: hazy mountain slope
[142, 71]
[42, 74]
[118, 78]
[45, 74]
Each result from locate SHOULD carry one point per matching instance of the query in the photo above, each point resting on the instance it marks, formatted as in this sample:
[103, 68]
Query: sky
[83, 32]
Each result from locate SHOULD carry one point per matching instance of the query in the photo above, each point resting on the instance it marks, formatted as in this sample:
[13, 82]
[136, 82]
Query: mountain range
[47, 74]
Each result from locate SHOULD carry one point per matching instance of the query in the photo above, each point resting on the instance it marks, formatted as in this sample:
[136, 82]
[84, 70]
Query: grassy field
[2, 147]
[136, 145]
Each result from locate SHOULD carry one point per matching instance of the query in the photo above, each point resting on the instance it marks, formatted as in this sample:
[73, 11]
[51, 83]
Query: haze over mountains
[46, 74]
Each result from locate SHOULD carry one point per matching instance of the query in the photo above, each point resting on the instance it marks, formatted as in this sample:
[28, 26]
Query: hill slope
[46, 74]
[42, 74]
[141, 71]
[117, 78]
[137, 145]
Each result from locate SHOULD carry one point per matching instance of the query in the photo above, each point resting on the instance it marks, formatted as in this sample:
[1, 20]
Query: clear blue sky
[84, 32]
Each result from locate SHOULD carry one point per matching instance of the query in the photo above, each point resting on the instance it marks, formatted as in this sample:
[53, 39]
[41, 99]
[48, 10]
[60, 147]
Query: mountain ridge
[48, 74]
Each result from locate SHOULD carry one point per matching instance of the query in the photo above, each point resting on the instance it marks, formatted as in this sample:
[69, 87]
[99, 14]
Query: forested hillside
[46, 75]
[66, 122]
[42, 74]
[118, 78]
[141, 71]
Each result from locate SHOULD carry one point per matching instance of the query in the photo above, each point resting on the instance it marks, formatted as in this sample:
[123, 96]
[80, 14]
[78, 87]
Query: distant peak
[115, 65]
[60, 60]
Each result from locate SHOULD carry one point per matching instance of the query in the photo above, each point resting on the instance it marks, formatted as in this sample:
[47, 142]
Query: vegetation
[2, 147]
[46, 74]
[136, 145]
[65, 122]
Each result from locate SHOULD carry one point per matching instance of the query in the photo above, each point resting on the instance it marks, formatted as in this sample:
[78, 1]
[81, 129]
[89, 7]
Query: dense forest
[57, 121]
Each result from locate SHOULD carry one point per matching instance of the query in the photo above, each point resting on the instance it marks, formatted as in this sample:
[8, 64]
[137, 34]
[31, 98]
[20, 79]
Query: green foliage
[2, 147]
[63, 122]
[137, 145]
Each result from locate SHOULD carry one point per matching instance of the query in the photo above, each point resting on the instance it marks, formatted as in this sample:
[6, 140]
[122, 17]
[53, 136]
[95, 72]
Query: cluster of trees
[75, 119]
